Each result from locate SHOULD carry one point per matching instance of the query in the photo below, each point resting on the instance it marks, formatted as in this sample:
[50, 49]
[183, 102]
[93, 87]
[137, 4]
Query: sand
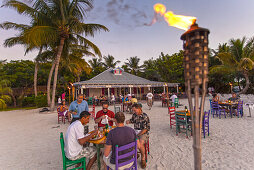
[30, 141]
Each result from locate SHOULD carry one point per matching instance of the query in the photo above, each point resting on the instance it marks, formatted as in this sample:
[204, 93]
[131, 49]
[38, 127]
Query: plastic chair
[132, 153]
[217, 109]
[117, 108]
[147, 148]
[171, 112]
[60, 116]
[93, 112]
[182, 120]
[68, 163]
[240, 108]
[211, 107]
[205, 123]
[176, 102]
[90, 101]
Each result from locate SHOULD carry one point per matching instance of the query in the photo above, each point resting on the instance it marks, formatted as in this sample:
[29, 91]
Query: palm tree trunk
[49, 82]
[58, 56]
[35, 77]
[36, 67]
[247, 85]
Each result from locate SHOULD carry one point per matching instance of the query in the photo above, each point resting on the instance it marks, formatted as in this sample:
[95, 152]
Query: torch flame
[159, 8]
[178, 21]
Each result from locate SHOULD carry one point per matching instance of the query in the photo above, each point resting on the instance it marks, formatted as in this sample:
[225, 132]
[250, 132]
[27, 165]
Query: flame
[159, 8]
[178, 21]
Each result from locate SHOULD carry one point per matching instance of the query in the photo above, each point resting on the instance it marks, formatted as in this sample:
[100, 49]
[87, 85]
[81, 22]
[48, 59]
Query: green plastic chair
[176, 103]
[90, 101]
[182, 124]
[68, 163]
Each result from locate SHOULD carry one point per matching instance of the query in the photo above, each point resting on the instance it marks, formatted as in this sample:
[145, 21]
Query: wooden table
[99, 144]
[182, 112]
[228, 105]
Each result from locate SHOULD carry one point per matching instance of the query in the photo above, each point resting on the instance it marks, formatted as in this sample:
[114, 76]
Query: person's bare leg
[142, 149]
[91, 162]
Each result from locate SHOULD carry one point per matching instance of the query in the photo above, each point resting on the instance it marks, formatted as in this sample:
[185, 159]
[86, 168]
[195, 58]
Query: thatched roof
[108, 79]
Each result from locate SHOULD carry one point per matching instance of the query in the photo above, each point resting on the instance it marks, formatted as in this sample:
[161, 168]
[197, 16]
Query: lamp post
[69, 94]
[73, 90]
[195, 45]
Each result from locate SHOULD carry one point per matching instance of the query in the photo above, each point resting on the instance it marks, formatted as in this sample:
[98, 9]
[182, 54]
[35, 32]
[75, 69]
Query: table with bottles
[100, 140]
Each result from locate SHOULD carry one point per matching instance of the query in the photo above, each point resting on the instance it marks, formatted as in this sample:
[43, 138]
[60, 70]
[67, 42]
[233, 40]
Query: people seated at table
[234, 98]
[121, 135]
[75, 139]
[141, 123]
[173, 97]
[133, 100]
[77, 107]
[105, 116]
[216, 97]
[64, 109]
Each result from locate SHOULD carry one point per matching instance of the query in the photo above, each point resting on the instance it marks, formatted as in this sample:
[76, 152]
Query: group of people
[121, 135]
[234, 98]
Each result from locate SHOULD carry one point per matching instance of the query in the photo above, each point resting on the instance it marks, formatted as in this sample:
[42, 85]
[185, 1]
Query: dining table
[229, 105]
[99, 144]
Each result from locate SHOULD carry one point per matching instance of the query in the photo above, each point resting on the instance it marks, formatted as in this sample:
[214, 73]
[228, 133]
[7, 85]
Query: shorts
[87, 152]
[150, 102]
[143, 137]
[113, 166]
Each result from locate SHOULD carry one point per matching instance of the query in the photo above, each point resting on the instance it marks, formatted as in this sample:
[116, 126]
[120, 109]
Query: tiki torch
[195, 45]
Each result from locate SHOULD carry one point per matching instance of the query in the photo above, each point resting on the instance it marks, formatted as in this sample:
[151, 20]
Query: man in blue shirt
[77, 107]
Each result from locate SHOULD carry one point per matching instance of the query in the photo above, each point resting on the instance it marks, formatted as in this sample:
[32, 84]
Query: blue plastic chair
[132, 153]
[217, 109]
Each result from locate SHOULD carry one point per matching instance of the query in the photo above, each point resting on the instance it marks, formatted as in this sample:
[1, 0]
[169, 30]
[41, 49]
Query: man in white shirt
[75, 139]
[149, 97]
[173, 97]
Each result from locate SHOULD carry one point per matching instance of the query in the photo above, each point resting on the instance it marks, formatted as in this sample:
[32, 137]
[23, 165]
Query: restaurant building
[118, 82]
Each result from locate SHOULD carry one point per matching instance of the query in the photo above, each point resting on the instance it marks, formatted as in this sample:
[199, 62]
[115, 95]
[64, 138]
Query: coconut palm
[109, 61]
[56, 22]
[96, 65]
[133, 65]
[238, 58]
[20, 40]
[4, 91]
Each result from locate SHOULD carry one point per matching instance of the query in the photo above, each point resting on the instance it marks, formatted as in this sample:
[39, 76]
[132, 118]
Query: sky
[129, 37]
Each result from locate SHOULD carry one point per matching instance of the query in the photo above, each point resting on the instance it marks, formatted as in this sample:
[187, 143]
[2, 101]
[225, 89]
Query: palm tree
[20, 40]
[133, 65]
[4, 91]
[56, 22]
[96, 65]
[109, 62]
[239, 58]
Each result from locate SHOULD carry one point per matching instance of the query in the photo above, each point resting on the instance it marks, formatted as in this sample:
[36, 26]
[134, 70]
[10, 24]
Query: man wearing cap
[142, 127]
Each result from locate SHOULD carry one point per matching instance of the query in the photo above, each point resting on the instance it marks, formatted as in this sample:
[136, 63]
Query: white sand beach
[30, 141]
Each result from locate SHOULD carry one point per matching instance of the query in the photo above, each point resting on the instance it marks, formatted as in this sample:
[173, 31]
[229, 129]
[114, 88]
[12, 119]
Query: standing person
[173, 97]
[59, 101]
[149, 98]
[141, 123]
[106, 115]
[77, 107]
[121, 135]
[113, 99]
[75, 139]
[133, 100]
[63, 96]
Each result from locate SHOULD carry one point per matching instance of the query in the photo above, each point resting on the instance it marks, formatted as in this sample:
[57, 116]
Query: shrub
[28, 101]
[41, 101]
